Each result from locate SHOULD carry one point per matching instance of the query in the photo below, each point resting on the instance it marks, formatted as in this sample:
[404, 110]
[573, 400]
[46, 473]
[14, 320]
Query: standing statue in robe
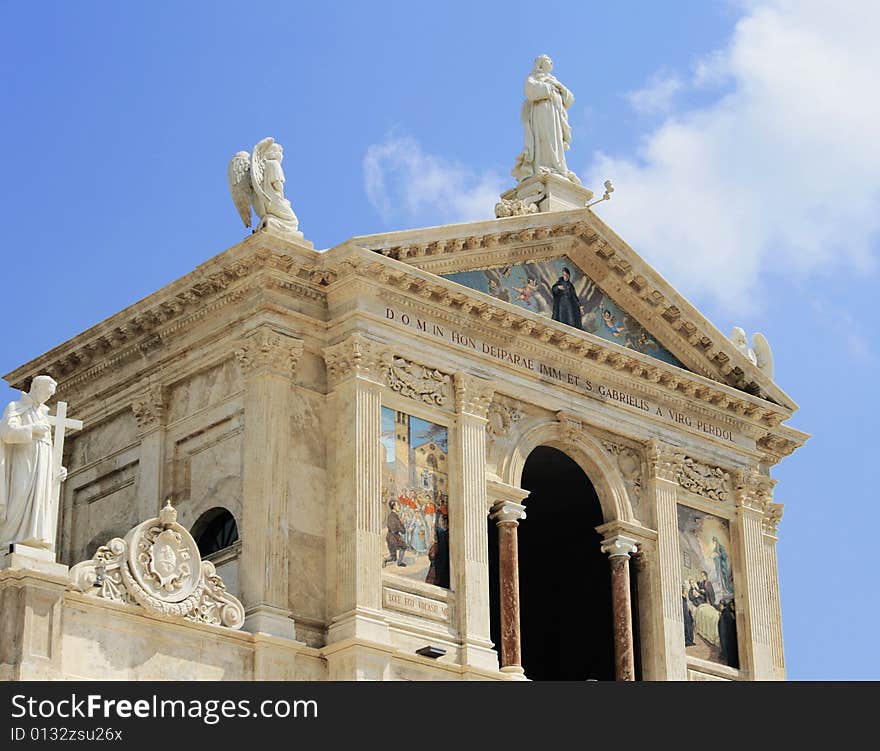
[28, 505]
[545, 118]
[257, 180]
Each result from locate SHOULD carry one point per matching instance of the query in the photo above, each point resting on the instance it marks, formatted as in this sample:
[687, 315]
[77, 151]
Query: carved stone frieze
[158, 567]
[704, 479]
[416, 381]
[630, 466]
[501, 416]
[664, 461]
[473, 395]
[352, 357]
[149, 407]
[265, 350]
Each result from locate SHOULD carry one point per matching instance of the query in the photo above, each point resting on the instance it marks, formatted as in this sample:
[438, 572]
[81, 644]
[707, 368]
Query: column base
[549, 192]
[264, 619]
[362, 624]
[479, 655]
[515, 672]
[22, 556]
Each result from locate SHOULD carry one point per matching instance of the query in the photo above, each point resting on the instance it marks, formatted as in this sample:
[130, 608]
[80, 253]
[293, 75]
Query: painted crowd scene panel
[558, 289]
[707, 590]
[415, 498]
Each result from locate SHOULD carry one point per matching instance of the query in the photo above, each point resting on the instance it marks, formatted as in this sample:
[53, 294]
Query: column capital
[473, 394]
[149, 408]
[664, 461]
[619, 545]
[753, 490]
[355, 356]
[508, 511]
[772, 517]
[264, 350]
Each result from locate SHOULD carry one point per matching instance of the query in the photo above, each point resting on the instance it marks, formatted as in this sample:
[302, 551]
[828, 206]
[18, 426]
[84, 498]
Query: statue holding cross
[30, 467]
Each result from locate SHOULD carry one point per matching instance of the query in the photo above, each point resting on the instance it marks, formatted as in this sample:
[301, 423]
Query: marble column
[753, 601]
[666, 659]
[772, 517]
[507, 515]
[467, 520]
[268, 357]
[355, 607]
[619, 548]
[149, 410]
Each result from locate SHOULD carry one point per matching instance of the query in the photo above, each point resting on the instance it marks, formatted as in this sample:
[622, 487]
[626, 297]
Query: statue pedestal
[550, 193]
[21, 556]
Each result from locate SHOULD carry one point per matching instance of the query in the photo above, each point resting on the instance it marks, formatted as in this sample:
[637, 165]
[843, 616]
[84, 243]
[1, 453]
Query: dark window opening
[215, 530]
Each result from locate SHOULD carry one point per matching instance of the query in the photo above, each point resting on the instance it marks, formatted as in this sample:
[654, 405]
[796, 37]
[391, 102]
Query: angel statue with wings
[257, 180]
[758, 354]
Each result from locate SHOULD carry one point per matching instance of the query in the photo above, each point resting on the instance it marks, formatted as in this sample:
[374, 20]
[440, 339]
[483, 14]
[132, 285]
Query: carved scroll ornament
[158, 567]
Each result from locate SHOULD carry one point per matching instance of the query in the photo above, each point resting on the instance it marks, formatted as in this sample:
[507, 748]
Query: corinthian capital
[267, 351]
[772, 517]
[473, 395]
[149, 407]
[754, 490]
[354, 356]
[664, 461]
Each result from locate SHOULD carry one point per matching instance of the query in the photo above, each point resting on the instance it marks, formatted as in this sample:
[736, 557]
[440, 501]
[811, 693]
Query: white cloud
[657, 96]
[402, 180]
[780, 174]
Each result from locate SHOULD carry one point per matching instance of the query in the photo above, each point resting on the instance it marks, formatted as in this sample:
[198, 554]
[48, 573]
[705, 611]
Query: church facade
[500, 450]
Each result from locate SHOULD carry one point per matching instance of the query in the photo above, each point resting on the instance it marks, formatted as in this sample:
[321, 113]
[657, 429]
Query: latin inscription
[409, 603]
[570, 379]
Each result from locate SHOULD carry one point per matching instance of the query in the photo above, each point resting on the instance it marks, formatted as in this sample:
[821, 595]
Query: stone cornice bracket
[266, 351]
[508, 512]
[772, 517]
[619, 545]
[354, 357]
[473, 395]
[664, 461]
[149, 408]
[415, 381]
[753, 490]
[570, 426]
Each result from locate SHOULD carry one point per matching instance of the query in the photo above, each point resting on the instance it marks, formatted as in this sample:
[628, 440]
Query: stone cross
[61, 422]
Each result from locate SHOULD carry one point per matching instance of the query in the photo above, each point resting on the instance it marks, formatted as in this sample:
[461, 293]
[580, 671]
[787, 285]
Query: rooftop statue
[545, 118]
[30, 466]
[257, 180]
[759, 354]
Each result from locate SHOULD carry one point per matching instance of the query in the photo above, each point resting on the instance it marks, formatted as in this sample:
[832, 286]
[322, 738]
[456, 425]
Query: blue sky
[740, 136]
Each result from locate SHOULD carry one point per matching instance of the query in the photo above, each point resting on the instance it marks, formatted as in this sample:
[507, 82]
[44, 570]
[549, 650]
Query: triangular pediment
[559, 289]
[645, 310]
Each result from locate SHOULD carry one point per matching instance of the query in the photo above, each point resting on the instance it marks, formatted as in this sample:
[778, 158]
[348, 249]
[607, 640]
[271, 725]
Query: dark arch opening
[565, 579]
[214, 530]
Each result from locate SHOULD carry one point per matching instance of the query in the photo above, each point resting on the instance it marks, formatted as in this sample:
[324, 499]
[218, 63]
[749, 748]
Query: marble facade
[256, 384]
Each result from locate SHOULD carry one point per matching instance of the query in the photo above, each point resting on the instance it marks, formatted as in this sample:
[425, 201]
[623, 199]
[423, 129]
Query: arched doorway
[564, 578]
